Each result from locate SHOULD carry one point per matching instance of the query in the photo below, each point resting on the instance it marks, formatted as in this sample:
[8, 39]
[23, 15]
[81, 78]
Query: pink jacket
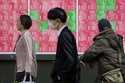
[25, 55]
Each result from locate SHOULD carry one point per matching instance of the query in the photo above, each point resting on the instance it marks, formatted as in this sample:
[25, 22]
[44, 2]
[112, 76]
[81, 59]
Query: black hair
[57, 13]
[26, 21]
[103, 24]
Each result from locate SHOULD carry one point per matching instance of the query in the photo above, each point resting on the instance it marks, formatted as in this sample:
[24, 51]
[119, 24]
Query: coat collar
[60, 30]
[103, 34]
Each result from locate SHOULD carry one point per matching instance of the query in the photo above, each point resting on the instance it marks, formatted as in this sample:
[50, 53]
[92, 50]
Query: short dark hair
[103, 24]
[26, 21]
[57, 13]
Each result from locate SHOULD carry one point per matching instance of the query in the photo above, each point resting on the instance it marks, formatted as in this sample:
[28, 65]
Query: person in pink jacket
[26, 65]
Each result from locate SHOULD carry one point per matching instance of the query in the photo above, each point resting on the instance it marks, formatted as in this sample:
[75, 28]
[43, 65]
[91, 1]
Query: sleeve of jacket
[68, 46]
[94, 51]
[28, 48]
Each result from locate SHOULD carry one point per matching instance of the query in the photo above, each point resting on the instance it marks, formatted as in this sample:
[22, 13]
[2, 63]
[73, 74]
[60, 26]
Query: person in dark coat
[105, 52]
[66, 68]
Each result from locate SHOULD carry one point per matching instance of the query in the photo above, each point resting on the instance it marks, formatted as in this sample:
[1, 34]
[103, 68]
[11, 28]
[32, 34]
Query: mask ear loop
[58, 21]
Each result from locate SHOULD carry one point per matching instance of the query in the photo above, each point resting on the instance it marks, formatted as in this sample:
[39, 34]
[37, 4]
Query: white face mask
[51, 24]
[19, 25]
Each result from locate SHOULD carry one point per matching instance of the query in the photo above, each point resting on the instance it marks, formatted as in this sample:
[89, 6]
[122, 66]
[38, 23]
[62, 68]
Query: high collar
[104, 34]
[60, 30]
